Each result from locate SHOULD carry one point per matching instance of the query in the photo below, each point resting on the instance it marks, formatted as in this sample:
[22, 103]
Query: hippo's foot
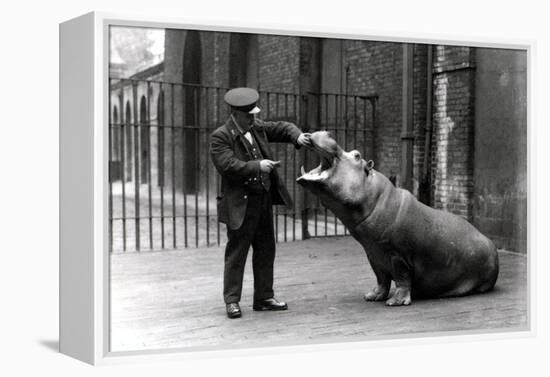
[401, 296]
[377, 294]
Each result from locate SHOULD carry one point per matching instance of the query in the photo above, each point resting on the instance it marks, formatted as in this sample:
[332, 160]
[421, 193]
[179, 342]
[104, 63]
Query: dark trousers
[256, 230]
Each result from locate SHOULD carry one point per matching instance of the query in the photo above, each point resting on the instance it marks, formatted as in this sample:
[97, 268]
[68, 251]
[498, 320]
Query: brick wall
[452, 146]
[375, 68]
[279, 63]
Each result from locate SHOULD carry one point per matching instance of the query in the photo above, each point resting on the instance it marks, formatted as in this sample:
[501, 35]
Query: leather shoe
[269, 304]
[233, 310]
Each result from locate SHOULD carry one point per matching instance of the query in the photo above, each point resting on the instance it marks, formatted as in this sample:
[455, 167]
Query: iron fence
[162, 184]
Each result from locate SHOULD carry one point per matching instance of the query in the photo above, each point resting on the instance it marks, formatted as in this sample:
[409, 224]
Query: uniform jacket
[237, 167]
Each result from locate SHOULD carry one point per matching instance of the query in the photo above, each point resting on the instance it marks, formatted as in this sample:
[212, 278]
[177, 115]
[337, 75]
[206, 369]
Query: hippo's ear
[369, 166]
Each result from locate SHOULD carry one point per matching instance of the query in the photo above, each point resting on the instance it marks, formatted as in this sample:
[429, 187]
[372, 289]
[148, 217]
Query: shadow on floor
[52, 345]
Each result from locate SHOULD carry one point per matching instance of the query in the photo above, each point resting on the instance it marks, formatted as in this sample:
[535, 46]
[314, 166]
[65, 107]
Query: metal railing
[162, 184]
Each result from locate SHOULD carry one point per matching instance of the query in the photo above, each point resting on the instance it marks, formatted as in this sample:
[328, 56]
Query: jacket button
[245, 196]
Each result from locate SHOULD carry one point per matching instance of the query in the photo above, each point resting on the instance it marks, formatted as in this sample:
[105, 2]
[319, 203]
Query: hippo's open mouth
[322, 171]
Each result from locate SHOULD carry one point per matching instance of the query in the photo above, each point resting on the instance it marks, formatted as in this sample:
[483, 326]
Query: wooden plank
[173, 299]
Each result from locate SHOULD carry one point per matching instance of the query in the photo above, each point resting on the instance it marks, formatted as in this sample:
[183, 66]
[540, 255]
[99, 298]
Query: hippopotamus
[428, 253]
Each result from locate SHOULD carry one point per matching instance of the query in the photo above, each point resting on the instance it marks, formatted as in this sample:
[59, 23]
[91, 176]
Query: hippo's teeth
[302, 170]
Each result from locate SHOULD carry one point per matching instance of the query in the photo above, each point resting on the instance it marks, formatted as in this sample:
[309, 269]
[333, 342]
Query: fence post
[303, 162]
[136, 127]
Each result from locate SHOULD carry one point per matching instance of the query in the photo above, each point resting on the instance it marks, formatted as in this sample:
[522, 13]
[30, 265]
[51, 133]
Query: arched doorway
[128, 142]
[115, 127]
[114, 147]
[192, 58]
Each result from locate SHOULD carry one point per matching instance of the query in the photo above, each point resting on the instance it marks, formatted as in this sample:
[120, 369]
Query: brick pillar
[453, 118]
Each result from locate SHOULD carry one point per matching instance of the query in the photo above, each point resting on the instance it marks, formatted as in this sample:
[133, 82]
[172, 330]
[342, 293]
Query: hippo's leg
[381, 291]
[402, 278]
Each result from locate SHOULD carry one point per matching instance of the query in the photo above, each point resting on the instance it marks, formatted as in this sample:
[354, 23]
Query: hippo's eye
[356, 155]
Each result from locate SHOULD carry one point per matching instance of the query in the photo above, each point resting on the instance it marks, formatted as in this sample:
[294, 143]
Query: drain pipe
[424, 189]
[407, 130]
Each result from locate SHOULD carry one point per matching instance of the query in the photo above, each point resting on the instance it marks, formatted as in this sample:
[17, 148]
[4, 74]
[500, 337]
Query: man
[250, 186]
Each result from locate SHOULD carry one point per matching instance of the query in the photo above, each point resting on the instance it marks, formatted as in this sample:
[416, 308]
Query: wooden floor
[173, 299]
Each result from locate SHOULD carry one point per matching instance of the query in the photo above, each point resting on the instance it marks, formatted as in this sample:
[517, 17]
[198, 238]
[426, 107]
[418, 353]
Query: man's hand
[304, 139]
[267, 165]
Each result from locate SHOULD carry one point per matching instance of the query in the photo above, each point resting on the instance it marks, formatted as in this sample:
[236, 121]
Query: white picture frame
[84, 256]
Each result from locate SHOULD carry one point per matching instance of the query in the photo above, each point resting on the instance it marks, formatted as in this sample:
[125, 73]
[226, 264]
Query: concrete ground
[173, 299]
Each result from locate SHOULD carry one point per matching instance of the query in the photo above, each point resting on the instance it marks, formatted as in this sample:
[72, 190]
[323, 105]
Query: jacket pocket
[221, 206]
